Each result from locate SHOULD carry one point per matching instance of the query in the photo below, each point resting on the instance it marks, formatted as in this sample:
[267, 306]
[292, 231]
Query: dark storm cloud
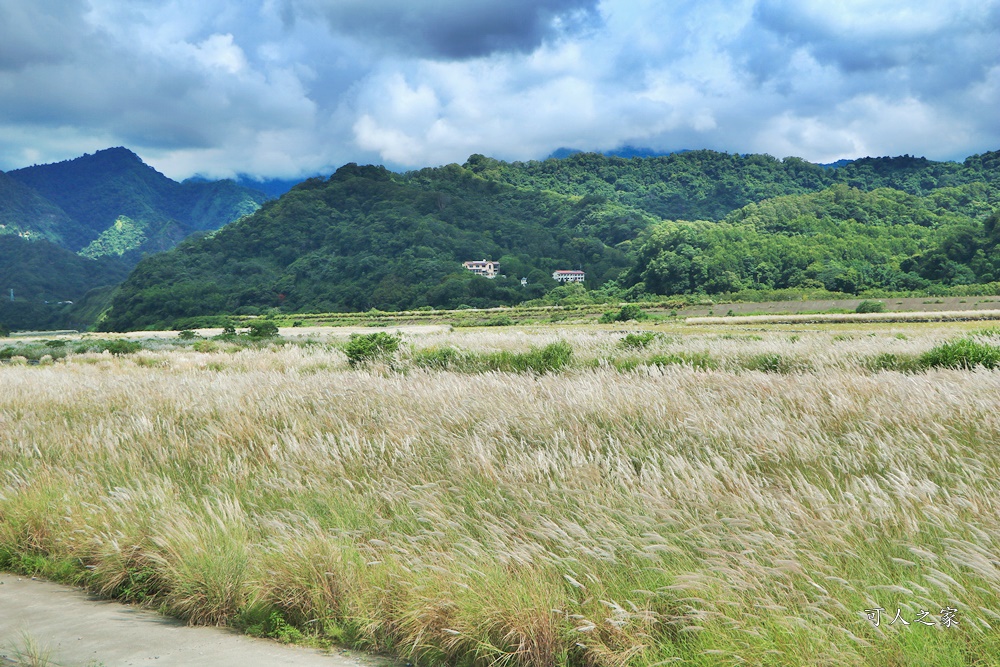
[938, 44]
[452, 28]
[38, 32]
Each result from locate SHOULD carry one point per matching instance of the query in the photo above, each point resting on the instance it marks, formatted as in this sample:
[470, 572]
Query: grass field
[575, 496]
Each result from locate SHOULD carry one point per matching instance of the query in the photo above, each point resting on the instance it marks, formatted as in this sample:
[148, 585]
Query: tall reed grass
[582, 516]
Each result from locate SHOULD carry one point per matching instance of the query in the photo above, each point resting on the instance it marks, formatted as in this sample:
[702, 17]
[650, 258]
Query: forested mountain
[116, 204]
[369, 238]
[686, 223]
[695, 185]
[45, 278]
[109, 207]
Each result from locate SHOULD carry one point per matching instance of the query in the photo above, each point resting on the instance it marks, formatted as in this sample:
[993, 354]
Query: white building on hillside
[568, 276]
[485, 268]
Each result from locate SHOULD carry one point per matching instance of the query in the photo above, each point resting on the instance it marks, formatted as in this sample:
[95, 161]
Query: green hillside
[841, 239]
[708, 185]
[45, 277]
[25, 213]
[115, 203]
[368, 238]
[695, 185]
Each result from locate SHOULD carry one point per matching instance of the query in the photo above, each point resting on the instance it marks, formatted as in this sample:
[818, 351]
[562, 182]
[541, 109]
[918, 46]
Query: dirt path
[71, 629]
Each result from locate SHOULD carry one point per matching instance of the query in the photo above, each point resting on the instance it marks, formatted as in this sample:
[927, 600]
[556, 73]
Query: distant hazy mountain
[272, 187]
[113, 203]
[621, 151]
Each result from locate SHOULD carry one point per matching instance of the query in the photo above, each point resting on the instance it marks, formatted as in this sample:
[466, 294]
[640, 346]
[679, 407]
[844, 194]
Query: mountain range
[691, 222]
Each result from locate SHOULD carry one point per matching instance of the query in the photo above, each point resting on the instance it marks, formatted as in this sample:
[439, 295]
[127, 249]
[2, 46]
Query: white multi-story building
[486, 268]
[568, 276]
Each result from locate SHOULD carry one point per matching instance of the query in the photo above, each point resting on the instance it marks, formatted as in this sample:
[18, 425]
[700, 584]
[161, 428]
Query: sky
[287, 88]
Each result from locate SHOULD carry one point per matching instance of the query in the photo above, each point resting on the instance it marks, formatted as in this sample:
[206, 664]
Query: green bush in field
[365, 348]
[540, 360]
[438, 358]
[989, 332]
[627, 313]
[699, 360]
[187, 334]
[771, 362]
[121, 347]
[262, 329]
[638, 341]
[499, 321]
[868, 306]
[890, 361]
[962, 353]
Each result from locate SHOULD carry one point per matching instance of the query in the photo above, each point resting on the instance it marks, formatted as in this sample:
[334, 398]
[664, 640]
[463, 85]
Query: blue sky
[284, 88]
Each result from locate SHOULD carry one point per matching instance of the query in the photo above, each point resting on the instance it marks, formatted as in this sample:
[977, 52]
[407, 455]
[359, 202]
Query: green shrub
[962, 353]
[771, 362]
[989, 332]
[4, 330]
[551, 358]
[868, 306]
[698, 360]
[187, 334]
[439, 358]
[627, 313]
[890, 361]
[120, 347]
[638, 341]
[499, 321]
[262, 329]
[365, 348]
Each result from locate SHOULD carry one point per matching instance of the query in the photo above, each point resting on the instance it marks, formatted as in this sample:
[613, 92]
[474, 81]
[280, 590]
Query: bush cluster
[539, 360]
[366, 348]
[868, 306]
[638, 341]
[962, 353]
[627, 313]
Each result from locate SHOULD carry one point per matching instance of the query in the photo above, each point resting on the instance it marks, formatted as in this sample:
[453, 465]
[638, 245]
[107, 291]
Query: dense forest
[841, 239]
[698, 222]
[368, 238]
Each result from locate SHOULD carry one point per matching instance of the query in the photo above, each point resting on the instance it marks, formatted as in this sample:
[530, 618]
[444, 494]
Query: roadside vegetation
[505, 495]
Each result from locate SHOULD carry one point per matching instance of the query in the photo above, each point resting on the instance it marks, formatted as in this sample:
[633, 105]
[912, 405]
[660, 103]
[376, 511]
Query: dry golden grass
[589, 517]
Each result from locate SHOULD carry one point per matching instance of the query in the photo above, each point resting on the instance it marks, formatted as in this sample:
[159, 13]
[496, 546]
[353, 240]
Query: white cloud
[220, 51]
[289, 87]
